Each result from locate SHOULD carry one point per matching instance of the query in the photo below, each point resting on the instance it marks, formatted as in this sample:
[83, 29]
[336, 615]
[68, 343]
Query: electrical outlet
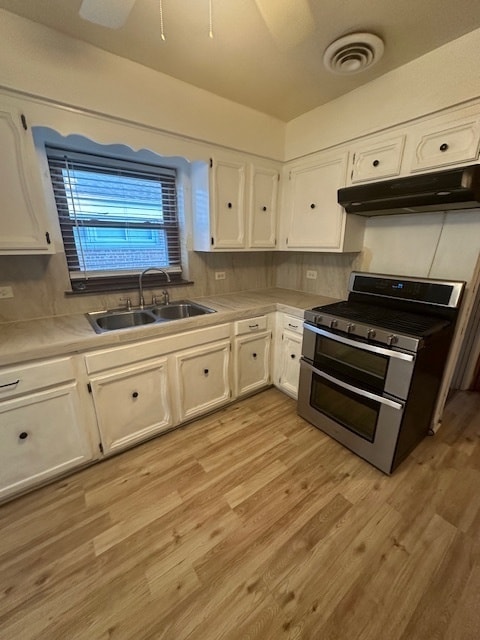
[219, 275]
[311, 275]
[6, 292]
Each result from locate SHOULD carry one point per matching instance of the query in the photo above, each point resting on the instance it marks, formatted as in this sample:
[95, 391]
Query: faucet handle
[128, 303]
[165, 297]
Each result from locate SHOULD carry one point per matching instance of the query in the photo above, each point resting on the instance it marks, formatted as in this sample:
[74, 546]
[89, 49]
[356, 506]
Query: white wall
[433, 245]
[443, 77]
[43, 62]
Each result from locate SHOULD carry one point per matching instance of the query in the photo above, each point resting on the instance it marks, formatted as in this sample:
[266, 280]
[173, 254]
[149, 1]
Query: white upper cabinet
[262, 218]
[23, 228]
[376, 158]
[444, 141]
[312, 218]
[227, 204]
[235, 204]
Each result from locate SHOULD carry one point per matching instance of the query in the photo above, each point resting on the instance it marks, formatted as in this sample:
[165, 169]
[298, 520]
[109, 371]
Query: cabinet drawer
[456, 141]
[291, 323]
[251, 324]
[15, 381]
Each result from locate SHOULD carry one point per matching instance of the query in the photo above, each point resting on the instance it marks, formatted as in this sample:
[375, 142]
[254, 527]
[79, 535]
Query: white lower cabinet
[288, 350]
[44, 433]
[202, 379]
[132, 404]
[252, 362]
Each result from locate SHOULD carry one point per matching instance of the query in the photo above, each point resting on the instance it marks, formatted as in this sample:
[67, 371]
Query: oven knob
[318, 319]
[350, 327]
[371, 333]
[333, 324]
[392, 339]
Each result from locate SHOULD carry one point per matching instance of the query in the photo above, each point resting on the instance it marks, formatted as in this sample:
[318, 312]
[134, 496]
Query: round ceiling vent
[353, 53]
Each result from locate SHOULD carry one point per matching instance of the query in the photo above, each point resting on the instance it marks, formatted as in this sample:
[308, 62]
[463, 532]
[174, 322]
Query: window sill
[128, 283]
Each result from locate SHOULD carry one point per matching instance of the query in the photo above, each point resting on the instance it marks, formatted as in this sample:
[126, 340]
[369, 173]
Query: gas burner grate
[395, 320]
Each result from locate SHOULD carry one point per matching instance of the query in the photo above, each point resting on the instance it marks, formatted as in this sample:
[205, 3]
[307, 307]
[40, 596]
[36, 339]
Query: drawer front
[291, 323]
[258, 323]
[15, 381]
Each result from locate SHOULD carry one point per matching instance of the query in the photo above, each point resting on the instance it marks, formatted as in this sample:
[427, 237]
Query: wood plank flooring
[251, 524]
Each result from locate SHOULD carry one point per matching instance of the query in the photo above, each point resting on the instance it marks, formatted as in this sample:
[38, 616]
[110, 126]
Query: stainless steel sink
[110, 320]
[180, 309]
[103, 321]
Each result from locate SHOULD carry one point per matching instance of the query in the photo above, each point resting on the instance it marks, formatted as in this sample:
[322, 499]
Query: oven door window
[350, 363]
[356, 413]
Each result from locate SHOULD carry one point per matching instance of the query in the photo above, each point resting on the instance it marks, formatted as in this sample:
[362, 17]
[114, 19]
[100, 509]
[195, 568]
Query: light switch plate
[6, 292]
[311, 275]
[219, 275]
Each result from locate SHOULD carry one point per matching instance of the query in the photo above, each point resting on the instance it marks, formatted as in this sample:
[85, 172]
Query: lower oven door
[364, 365]
[366, 423]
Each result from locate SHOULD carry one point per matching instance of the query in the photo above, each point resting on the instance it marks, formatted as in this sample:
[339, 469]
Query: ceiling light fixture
[353, 53]
[210, 20]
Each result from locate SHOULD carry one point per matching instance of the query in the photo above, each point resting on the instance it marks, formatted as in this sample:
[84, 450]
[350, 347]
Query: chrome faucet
[140, 282]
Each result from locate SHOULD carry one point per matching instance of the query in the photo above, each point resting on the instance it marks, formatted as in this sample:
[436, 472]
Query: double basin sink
[103, 321]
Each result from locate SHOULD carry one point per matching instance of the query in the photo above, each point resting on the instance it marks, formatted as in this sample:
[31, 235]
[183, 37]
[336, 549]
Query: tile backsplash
[39, 282]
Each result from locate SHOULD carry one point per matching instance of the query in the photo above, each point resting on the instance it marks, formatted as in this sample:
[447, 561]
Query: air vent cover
[353, 53]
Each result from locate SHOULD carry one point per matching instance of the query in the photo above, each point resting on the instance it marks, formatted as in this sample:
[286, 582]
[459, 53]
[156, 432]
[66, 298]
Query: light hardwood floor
[251, 524]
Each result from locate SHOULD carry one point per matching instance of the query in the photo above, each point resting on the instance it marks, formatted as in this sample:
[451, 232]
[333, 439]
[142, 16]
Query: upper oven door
[361, 364]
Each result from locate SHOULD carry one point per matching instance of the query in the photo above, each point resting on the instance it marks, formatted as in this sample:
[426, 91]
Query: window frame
[84, 281]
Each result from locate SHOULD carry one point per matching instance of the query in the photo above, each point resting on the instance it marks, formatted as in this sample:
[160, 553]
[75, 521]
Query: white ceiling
[260, 66]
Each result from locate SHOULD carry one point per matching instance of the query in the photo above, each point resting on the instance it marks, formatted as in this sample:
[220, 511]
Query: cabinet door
[228, 204]
[132, 404]
[42, 436]
[22, 221]
[291, 350]
[252, 362]
[447, 143]
[377, 159]
[263, 207]
[202, 380]
[316, 220]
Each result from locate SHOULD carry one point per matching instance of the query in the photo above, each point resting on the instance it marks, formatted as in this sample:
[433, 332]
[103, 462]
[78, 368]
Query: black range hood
[439, 191]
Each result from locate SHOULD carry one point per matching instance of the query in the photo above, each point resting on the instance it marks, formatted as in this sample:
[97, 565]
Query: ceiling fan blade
[107, 13]
[289, 22]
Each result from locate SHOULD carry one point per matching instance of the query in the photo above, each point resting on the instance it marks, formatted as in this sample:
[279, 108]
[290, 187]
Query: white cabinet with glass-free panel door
[262, 211]
[288, 350]
[43, 435]
[132, 404]
[312, 218]
[252, 362]
[227, 203]
[202, 379]
[23, 218]
[235, 202]
[376, 158]
[445, 141]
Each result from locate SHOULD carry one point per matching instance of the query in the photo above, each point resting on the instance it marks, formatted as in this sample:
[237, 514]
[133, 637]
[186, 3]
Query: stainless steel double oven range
[372, 365]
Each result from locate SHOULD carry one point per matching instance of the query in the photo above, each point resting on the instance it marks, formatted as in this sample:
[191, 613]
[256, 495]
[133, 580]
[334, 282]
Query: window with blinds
[117, 218]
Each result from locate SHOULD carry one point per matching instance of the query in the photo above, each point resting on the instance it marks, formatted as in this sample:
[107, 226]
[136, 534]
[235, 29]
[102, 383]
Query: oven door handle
[365, 347]
[355, 390]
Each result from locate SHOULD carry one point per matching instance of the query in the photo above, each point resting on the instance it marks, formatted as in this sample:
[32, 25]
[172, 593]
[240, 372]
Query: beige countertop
[60, 335]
